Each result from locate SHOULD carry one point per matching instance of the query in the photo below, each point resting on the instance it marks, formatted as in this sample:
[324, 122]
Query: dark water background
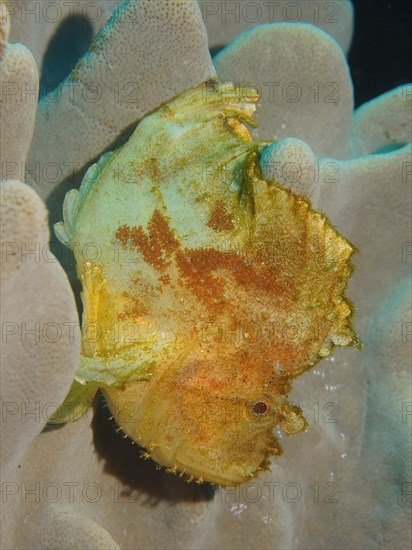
[380, 56]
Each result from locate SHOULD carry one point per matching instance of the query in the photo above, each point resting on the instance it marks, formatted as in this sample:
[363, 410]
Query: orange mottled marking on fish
[220, 220]
[156, 245]
[133, 310]
[149, 169]
[165, 279]
[197, 267]
[123, 235]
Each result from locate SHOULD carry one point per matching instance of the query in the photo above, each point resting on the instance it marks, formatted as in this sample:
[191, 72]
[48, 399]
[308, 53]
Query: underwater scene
[206, 260]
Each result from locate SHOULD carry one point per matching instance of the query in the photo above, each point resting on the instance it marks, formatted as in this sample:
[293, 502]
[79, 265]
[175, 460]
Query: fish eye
[260, 408]
[259, 411]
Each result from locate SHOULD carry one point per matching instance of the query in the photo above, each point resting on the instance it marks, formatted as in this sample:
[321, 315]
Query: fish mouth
[211, 476]
[195, 465]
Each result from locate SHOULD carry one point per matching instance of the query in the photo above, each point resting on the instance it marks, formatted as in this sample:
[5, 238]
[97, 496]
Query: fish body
[206, 288]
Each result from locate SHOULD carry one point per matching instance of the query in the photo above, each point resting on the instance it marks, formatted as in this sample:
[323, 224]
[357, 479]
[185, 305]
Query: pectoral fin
[94, 373]
[76, 403]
